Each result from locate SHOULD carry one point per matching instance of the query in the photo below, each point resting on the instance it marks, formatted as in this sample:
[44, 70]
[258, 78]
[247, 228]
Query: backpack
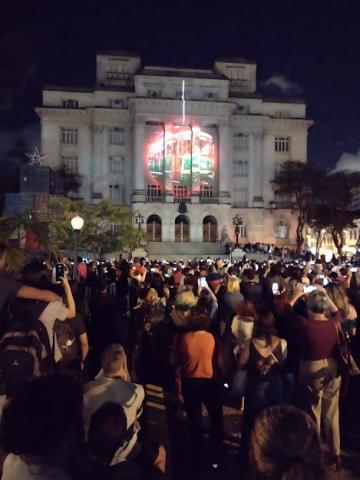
[65, 337]
[24, 351]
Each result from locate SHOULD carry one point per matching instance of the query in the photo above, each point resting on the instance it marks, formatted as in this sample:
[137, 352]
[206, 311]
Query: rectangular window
[116, 164]
[116, 136]
[241, 168]
[241, 141]
[68, 103]
[69, 136]
[154, 190]
[180, 191]
[70, 164]
[241, 198]
[282, 114]
[117, 193]
[282, 144]
[154, 93]
[206, 191]
[117, 75]
[242, 231]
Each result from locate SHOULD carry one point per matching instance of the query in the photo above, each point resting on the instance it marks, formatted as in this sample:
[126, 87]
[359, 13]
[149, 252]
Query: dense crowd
[272, 339]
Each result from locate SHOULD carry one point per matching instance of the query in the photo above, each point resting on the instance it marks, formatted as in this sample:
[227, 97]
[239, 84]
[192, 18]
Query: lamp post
[77, 224]
[237, 222]
[139, 220]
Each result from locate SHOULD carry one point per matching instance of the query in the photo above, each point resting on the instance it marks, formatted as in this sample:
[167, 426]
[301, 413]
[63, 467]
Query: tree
[332, 208]
[294, 181]
[13, 231]
[107, 228]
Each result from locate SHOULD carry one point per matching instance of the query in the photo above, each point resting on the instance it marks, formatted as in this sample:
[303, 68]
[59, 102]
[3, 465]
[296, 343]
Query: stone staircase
[184, 250]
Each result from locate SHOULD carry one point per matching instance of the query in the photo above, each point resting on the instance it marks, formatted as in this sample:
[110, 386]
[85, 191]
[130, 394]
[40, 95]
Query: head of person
[338, 295]
[250, 275]
[152, 296]
[265, 325]
[285, 445]
[3, 254]
[233, 284]
[103, 285]
[107, 432]
[36, 274]
[113, 361]
[246, 309]
[199, 319]
[183, 303]
[205, 300]
[44, 420]
[317, 303]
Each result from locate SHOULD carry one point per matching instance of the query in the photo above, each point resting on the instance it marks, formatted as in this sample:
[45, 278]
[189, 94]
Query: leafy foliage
[107, 228]
[294, 180]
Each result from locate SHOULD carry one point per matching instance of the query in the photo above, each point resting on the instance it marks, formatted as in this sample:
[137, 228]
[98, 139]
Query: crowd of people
[275, 340]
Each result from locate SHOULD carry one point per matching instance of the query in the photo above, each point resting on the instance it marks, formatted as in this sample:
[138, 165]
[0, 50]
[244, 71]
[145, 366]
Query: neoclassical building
[188, 149]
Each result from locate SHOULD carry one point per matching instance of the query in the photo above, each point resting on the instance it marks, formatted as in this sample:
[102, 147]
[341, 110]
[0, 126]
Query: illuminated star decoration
[35, 157]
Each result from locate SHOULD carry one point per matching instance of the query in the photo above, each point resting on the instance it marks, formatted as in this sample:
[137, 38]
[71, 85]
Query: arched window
[182, 229]
[154, 228]
[209, 229]
[281, 229]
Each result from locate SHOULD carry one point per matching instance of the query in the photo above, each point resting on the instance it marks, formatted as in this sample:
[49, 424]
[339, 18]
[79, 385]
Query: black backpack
[24, 353]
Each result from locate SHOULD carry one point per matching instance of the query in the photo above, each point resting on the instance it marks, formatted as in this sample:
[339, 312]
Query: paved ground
[161, 425]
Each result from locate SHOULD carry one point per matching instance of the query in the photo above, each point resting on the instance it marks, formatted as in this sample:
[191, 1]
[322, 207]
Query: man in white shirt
[113, 385]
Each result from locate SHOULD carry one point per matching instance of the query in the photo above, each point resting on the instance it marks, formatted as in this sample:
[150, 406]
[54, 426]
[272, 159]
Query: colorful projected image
[181, 156]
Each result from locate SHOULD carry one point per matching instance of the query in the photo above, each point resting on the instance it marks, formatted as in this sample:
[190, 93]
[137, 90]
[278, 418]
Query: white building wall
[218, 98]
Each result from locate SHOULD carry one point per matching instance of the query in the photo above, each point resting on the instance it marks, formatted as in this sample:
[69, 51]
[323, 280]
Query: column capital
[98, 128]
[139, 120]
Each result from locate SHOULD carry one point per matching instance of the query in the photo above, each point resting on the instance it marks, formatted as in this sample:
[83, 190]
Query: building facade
[187, 148]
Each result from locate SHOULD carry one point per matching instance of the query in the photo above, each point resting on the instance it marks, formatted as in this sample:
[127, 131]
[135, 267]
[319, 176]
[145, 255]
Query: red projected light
[180, 155]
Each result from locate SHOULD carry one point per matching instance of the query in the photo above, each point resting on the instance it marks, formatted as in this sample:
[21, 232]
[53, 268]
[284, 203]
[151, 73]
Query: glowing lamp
[77, 223]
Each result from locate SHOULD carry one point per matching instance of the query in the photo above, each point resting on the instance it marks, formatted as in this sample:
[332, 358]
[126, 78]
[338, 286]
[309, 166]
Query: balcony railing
[155, 199]
[207, 200]
[182, 199]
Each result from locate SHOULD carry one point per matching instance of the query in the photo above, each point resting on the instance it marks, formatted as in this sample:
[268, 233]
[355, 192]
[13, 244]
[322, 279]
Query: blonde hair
[338, 295]
[233, 284]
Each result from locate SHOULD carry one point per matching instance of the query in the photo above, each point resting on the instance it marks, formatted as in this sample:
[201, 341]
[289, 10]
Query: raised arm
[32, 293]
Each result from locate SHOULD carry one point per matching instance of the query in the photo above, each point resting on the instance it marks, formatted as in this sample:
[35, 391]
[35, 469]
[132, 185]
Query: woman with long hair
[263, 356]
[285, 445]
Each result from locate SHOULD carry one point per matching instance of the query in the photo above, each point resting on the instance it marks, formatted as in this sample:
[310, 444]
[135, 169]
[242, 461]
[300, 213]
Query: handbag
[345, 360]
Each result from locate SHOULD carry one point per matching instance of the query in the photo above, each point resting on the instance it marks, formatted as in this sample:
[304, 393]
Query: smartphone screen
[309, 289]
[59, 271]
[275, 288]
[353, 269]
[152, 269]
[202, 282]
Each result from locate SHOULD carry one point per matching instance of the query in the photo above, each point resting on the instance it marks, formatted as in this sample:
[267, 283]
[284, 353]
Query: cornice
[173, 106]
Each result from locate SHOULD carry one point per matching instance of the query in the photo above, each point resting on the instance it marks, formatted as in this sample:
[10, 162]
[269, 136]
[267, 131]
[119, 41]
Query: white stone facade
[103, 134]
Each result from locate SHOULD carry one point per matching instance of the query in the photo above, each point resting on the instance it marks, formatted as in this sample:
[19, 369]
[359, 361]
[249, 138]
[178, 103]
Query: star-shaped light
[35, 157]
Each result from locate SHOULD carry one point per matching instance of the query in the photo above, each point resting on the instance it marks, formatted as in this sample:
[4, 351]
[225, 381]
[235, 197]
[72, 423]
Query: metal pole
[75, 271]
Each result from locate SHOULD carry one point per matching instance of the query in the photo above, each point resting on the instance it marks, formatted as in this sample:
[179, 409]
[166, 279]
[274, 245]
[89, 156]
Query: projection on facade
[181, 159]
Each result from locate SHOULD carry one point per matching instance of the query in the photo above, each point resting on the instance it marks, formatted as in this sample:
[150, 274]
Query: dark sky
[314, 43]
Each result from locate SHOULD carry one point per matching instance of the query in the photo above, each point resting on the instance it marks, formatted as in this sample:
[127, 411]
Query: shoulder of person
[56, 310]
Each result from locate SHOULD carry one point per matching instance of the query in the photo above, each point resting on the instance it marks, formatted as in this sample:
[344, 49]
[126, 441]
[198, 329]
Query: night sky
[314, 45]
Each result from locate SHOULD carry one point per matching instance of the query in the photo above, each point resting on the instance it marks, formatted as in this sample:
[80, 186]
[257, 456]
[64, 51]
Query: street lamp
[77, 224]
[237, 222]
[139, 220]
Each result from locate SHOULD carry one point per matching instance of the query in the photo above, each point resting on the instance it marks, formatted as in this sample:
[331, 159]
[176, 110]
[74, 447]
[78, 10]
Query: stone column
[252, 178]
[97, 164]
[224, 161]
[105, 164]
[85, 161]
[138, 161]
[258, 199]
